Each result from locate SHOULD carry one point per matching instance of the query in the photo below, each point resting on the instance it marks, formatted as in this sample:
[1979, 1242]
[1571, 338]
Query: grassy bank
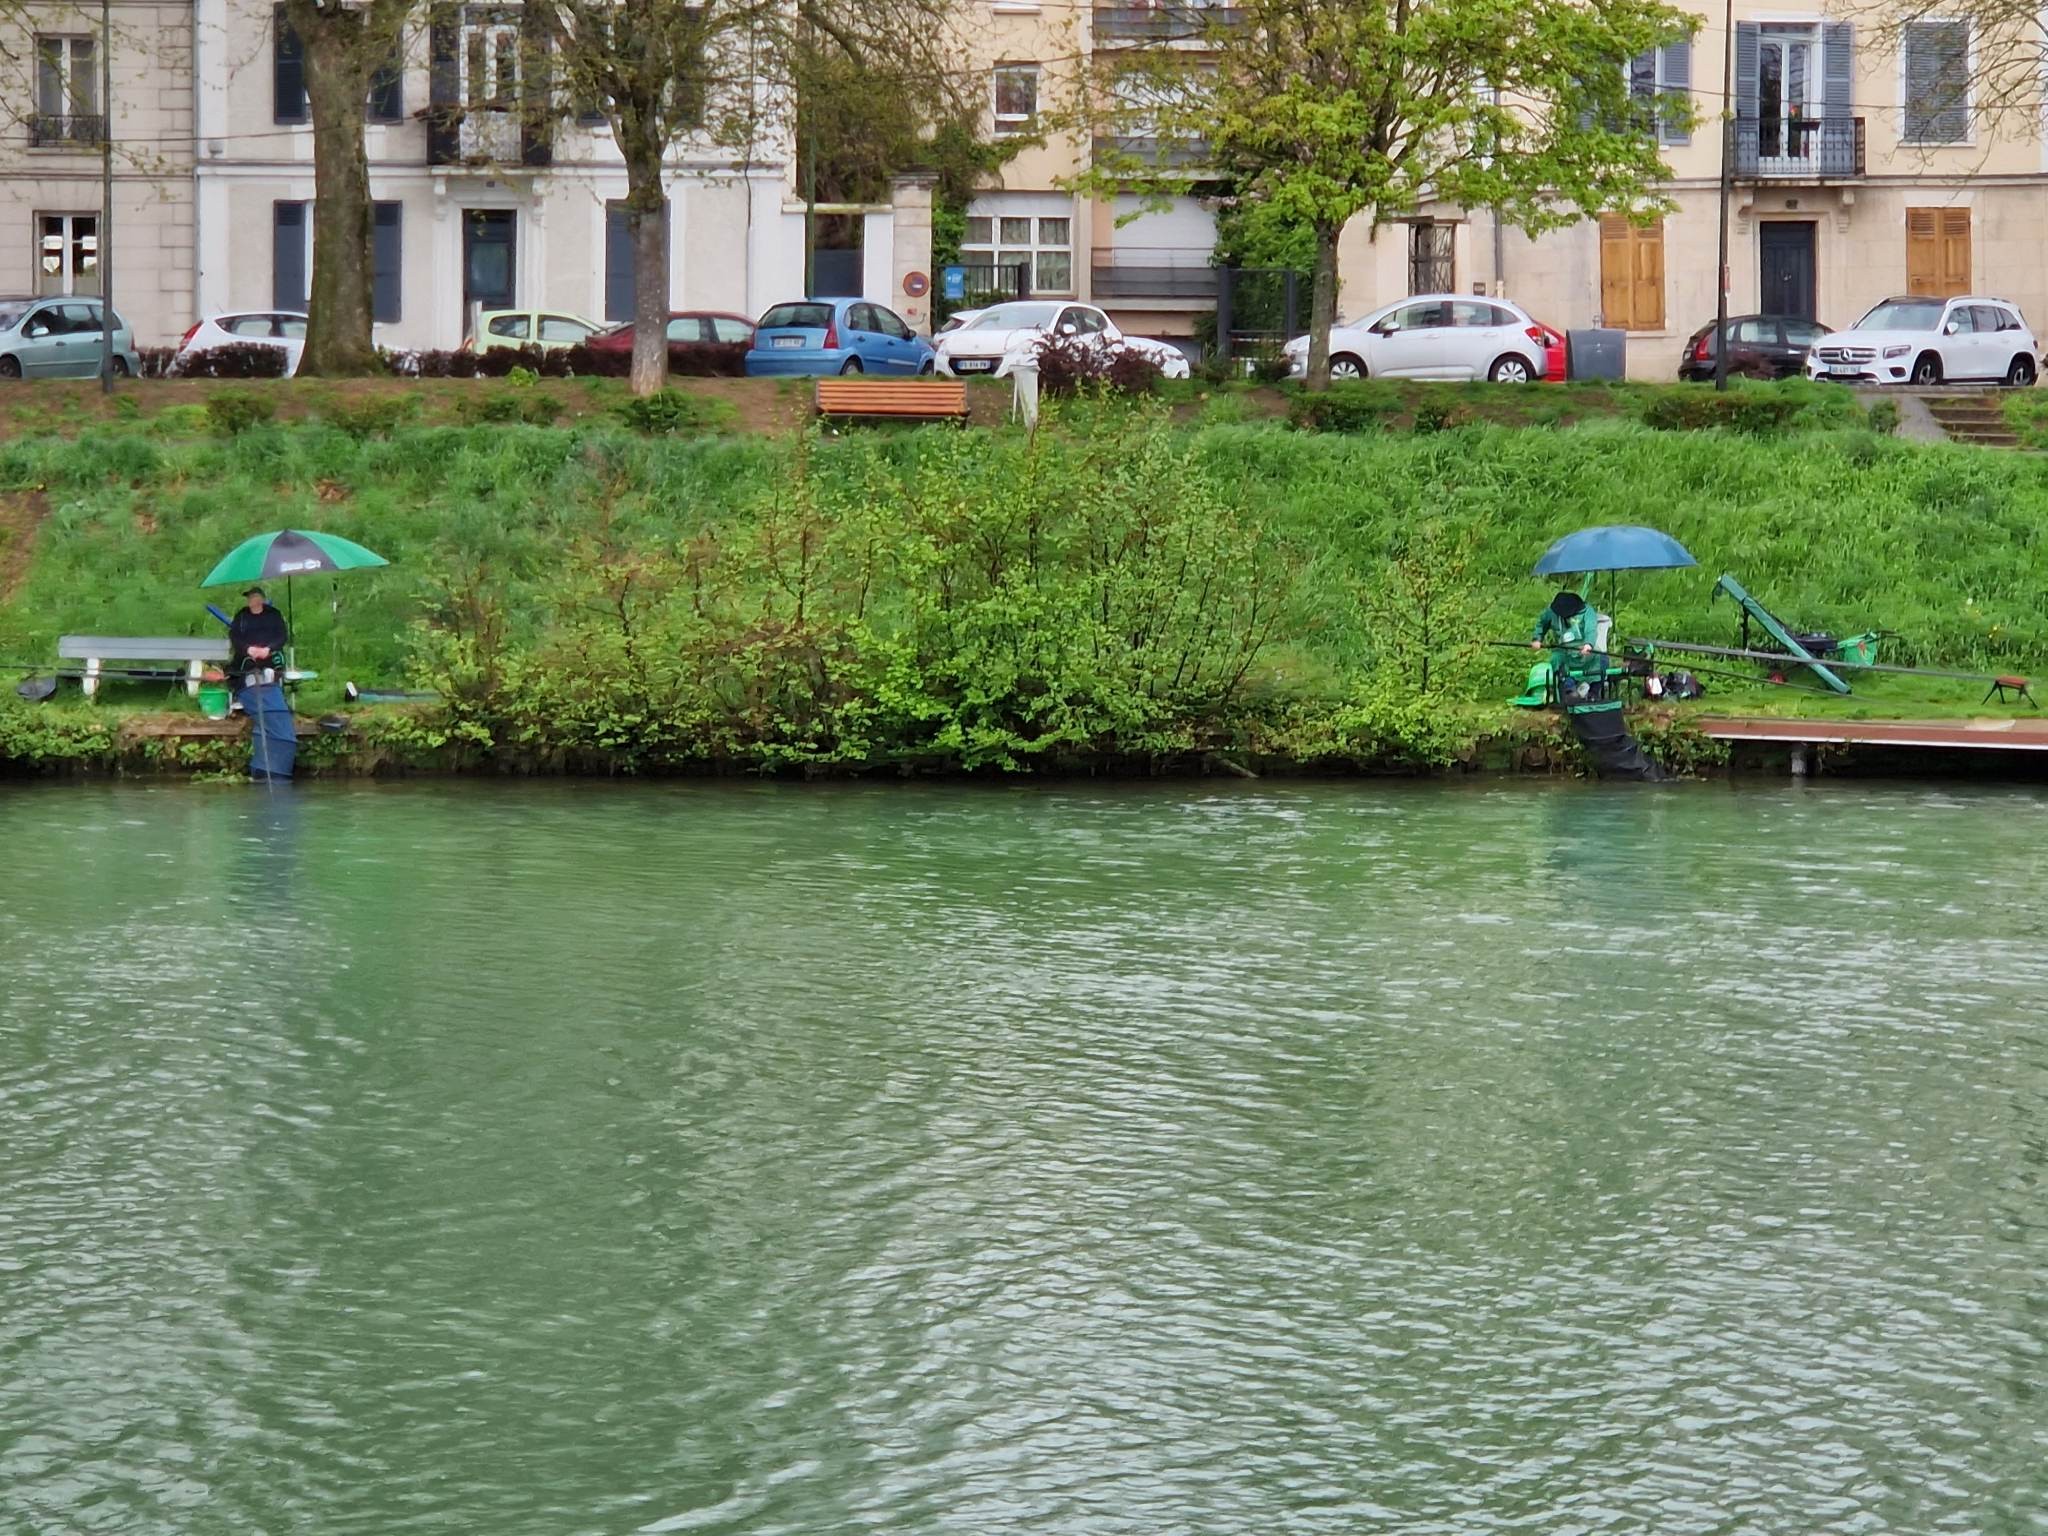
[1132, 588]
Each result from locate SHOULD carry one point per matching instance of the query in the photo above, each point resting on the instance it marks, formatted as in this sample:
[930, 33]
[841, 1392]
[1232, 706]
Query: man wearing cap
[256, 636]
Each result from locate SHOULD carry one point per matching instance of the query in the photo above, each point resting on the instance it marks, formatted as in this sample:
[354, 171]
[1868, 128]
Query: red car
[684, 327]
[1553, 354]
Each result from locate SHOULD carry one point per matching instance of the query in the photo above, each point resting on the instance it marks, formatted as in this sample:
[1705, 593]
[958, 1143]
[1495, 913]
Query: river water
[575, 1158]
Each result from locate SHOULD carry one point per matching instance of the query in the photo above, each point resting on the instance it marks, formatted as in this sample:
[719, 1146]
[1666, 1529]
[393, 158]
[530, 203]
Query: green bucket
[213, 700]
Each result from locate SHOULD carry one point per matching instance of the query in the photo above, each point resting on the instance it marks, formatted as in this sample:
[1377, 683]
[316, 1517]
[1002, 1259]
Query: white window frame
[1660, 87]
[70, 238]
[499, 40]
[995, 247]
[1969, 138]
[69, 43]
[1008, 125]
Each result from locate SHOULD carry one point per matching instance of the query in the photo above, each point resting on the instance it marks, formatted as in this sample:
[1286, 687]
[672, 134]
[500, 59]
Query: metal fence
[979, 285]
[1808, 148]
[1258, 311]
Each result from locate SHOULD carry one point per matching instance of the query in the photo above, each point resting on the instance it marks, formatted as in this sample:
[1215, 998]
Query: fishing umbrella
[289, 552]
[1614, 547]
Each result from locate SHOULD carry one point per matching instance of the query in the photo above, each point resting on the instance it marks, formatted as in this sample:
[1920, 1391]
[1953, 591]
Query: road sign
[916, 285]
[953, 282]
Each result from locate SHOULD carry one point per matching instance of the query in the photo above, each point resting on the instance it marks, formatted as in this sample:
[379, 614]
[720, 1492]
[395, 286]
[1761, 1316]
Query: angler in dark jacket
[256, 636]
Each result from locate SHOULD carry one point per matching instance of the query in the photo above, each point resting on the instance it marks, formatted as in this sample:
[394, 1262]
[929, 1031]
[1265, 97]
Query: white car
[1919, 340]
[954, 321]
[281, 328]
[1433, 336]
[999, 338]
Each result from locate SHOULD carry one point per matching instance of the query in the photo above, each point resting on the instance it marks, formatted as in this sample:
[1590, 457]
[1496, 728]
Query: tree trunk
[340, 297]
[647, 226]
[1322, 305]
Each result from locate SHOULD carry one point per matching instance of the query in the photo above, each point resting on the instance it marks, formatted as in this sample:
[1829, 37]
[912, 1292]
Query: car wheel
[1344, 366]
[120, 367]
[1510, 370]
[927, 369]
[10, 367]
[851, 365]
[1926, 369]
[2021, 374]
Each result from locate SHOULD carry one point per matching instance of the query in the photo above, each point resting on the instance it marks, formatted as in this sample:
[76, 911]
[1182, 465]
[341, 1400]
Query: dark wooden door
[1786, 251]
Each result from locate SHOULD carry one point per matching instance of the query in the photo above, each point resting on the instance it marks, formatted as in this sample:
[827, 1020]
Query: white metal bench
[98, 650]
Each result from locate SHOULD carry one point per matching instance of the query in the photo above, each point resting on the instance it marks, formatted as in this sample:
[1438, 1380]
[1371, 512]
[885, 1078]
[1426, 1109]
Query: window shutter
[288, 256]
[536, 69]
[1649, 277]
[288, 60]
[1616, 288]
[1838, 70]
[387, 229]
[1923, 256]
[1747, 39]
[1955, 251]
[1937, 82]
[1678, 86]
[618, 264]
[444, 89]
[387, 92]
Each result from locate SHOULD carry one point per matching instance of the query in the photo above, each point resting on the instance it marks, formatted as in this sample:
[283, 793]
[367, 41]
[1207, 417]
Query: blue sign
[953, 282]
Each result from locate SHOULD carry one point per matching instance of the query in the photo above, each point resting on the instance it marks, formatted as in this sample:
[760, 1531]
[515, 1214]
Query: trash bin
[1596, 354]
[213, 700]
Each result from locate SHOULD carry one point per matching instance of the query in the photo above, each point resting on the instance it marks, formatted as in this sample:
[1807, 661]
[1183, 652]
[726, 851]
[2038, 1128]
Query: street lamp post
[1727, 178]
[106, 241]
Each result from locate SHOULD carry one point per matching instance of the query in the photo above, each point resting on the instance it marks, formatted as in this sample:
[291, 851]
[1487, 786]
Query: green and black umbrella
[289, 552]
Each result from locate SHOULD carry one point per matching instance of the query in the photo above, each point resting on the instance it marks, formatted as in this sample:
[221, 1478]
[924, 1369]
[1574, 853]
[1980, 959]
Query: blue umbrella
[1614, 547]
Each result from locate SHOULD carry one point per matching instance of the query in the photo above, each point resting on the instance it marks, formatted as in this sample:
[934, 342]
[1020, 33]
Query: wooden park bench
[896, 399]
[168, 657]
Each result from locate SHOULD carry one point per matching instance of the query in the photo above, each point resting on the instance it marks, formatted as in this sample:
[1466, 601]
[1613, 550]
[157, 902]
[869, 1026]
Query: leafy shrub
[507, 406]
[1272, 368]
[1341, 408]
[239, 360]
[1436, 415]
[1884, 417]
[668, 411]
[156, 361]
[1067, 365]
[1754, 411]
[377, 416]
[233, 411]
[522, 378]
[691, 359]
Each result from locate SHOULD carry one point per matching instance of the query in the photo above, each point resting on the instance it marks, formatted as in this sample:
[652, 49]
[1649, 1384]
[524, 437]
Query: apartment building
[55, 117]
[1858, 171]
[1149, 268]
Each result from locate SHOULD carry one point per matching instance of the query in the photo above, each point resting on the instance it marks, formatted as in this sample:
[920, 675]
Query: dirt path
[21, 519]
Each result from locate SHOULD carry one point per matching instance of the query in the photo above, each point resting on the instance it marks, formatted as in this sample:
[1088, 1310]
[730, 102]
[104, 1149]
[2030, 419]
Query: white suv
[1919, 340]
[1433, 336]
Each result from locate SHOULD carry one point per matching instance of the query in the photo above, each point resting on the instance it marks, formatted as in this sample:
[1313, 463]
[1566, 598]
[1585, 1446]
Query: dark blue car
[812, 336]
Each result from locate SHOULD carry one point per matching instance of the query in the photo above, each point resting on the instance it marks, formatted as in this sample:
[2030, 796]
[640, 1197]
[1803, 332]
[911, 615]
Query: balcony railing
[1144, 273]
[1153, 152]
[1162, 23]
[52, 130]
[1806, 149]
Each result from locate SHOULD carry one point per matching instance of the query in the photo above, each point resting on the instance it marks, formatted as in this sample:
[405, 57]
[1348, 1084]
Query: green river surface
[550, 1159]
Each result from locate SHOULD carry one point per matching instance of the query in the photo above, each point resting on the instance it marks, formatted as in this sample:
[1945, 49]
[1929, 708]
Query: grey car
[59, 338]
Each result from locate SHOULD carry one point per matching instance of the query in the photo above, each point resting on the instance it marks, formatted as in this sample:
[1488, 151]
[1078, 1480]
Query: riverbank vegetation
[1128, 588]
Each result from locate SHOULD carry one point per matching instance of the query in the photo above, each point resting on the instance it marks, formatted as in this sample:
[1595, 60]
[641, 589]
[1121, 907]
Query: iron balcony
[1808, 149]
[1169, 23]
[80, 130]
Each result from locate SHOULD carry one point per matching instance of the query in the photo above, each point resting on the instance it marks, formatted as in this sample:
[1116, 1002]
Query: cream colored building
[50, 170]
[1858, 174]
[1148, 268]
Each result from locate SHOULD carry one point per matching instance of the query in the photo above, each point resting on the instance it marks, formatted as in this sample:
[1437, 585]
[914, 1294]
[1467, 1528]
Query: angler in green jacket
[1569, 626]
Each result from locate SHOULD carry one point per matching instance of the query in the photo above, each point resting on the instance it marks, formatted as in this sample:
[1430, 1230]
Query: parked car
[836, 336]
[59, 338]
[1759, 347]
[544, 328]
[1555, 361]
[695, 325]
[1435, 336]
[284, 329]
[954, 321]
[1000, 337]
[1921, 340]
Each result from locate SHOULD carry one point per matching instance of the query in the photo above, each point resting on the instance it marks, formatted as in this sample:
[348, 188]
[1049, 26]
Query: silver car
[59, 338]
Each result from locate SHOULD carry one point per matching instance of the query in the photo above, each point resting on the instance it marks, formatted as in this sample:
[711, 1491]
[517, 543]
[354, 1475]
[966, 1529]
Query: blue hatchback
[836, 336]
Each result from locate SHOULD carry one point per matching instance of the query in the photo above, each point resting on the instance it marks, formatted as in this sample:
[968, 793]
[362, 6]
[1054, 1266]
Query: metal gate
[976, 285]
[1258, 311]
[1432, 265]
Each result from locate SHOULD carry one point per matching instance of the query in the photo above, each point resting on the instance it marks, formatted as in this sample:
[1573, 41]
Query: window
[67, 92]
[1043, 244]
[387, 92]
[1416, 317]
[1662, 77]
[291, 257]
[1016, 97]
[562, 328]
[1631, 273]
[1085, 321]
[725, 329]
[1938, 251]
[1473, 315]
[890, 324]
[1754, 333]
[1803, 333]
[513, 326]
[67, 253]
[287, 71]
[1937, 69]
[490, 75]
[250, 325]
[1432, 265]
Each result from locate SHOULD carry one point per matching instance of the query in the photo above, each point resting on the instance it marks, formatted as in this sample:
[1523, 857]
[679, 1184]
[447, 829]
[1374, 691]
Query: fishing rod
[1740, 677]
[1829, 662]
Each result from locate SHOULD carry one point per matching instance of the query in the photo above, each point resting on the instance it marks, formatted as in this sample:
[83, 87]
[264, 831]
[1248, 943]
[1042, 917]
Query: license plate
[785, 341]
[1843, 373]
[972, 365]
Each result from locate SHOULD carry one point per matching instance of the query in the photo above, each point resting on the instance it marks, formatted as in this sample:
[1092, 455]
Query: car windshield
[1014, 317]
[807, 317]
[12, 311]
[1903, 315]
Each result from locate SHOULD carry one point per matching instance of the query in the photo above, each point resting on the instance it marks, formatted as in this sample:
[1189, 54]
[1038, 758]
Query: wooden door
[1938, 251]
[1631, 273]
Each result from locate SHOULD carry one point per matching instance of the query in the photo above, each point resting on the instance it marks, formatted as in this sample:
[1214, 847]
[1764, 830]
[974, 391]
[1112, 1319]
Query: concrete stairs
[1977, 419]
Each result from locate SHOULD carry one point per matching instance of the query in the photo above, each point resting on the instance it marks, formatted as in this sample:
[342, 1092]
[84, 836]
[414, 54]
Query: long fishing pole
[1741, 677]
[1801, 661]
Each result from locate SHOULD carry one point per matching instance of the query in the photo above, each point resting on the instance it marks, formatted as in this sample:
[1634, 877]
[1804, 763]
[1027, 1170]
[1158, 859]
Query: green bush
[375, 416]
[668, 412]
[1436, 415]
[233, 411]
[505, 406]
[1360, 407]
[1755, 412]
[1883, 417]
